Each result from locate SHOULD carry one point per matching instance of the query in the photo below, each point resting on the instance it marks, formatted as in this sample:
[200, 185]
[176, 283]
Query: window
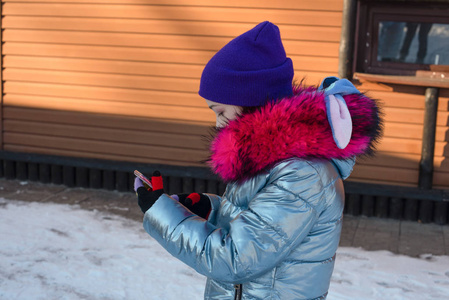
[401, 38]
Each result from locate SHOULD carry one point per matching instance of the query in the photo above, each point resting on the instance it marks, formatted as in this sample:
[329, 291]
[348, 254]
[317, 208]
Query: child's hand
[146, 198]
[199, 204]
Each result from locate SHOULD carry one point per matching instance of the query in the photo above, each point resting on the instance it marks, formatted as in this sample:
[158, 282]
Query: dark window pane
[410, 42]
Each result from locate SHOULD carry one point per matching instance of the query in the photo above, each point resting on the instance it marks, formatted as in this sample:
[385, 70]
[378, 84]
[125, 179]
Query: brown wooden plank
[401, 130]
[442, 134]
[116, 148]
[441, 180]
[390, 87]
[398, 158]
[404, 99]
[314, 64]
[143, 136]
[105, 80]
[400, 115]
[402, 160]
[404, 80]
[108, 53]
[123, 81]
[292, 47]
[114, 108]
[395, 145]
[443, 118]
[322, 64]
[371, 87]
[399, 100]
[412, 131]
[105, 121]
[384, 90]
[394, 175]
[292, 32]
[216, 14]
[127, 39]
[442, 148]
[442, 164]
[312, 77]
[104, 93]
[68, 86]
[307, 63]
[408, 131]
[412, 116]
[326, 5]
[400, 146]
[382, 182]
[179, 113]
[391, 159]
[103, 66]
[107, 156]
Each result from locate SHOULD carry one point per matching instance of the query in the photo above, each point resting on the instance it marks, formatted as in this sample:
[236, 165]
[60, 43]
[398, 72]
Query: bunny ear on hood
[337, 111]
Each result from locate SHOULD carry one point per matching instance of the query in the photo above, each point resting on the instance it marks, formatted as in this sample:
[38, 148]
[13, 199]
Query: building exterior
[94, 89]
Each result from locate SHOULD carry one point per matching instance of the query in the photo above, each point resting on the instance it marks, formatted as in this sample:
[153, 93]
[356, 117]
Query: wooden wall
[397, 160]
[118, 79]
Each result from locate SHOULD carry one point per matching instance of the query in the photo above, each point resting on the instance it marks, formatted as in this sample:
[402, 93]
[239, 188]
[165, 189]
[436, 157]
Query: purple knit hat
[250, 70]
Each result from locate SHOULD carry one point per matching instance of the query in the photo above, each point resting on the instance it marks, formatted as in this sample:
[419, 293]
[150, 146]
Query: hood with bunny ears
[311, 124]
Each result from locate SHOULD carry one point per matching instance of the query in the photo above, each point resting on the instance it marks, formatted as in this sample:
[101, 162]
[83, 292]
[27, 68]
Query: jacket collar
[296, 126]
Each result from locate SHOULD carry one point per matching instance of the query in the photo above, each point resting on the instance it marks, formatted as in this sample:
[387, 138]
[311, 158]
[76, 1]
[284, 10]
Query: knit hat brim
[247, 88]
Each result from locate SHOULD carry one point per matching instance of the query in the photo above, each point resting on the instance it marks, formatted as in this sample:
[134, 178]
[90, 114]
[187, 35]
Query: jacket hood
[295, 126]
[344, 166]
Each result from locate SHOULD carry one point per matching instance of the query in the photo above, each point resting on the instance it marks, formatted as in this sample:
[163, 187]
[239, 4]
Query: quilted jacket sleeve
[277, 220]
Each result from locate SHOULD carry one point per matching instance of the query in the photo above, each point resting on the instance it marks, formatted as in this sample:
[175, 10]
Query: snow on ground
[55, 251]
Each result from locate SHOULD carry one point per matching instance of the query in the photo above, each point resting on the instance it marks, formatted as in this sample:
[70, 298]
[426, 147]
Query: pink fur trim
[291, 127]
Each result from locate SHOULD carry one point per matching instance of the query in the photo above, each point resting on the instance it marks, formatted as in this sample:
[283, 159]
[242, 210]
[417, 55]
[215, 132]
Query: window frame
[369, 15]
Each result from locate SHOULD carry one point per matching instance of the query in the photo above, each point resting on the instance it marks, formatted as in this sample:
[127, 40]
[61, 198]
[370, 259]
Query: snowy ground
[55, 251]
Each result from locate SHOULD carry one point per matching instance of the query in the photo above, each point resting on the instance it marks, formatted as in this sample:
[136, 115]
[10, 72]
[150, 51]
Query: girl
[284, 151]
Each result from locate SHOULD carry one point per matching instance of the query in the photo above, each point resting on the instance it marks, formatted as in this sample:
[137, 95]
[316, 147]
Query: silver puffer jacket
[275, 231]
[276, 234]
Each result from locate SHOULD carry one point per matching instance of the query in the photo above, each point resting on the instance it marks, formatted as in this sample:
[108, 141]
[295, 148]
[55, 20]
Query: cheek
[220, 122]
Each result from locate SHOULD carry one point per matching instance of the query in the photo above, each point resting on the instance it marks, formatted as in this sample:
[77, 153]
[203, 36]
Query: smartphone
[143, 178]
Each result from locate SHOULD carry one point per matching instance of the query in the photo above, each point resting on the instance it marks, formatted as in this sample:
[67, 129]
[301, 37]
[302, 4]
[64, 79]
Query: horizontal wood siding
[119, 79]
[397, 161]
[330, 5]
[103, 136]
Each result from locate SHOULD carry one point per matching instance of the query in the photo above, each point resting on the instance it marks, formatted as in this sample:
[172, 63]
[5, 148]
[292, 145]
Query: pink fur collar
[291, 127]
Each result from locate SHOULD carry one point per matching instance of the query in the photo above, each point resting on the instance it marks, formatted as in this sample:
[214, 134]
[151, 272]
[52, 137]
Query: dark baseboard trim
[396, 191]
[110, 165]
[372, 200]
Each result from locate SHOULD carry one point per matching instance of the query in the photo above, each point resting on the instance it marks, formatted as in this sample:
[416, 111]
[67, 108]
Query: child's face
[224, 112]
